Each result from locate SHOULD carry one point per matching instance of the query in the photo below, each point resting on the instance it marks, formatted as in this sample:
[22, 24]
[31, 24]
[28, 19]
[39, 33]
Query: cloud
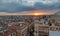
[28, 2]
[42, 6]
[9, 1]
[28, 5]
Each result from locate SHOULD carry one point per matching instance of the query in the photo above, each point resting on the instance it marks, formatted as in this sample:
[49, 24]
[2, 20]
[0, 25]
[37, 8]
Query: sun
[36, 14]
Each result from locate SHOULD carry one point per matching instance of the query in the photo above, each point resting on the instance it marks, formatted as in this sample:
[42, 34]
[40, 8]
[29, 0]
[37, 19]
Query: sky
[27, 13]
[28, 5]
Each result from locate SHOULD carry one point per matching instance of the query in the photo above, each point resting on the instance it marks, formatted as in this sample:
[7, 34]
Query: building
[28, 25]
[44, 24]
[56, 17]
[19, 28]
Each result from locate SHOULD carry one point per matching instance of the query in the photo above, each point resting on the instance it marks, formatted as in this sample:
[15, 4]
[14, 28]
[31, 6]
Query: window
[14, 34]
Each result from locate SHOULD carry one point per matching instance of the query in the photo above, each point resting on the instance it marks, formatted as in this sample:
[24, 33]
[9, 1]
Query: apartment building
[28, 25]
[45, 24]
[20, 28]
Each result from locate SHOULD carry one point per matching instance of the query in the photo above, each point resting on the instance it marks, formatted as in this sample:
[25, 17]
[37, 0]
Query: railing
[49, 28]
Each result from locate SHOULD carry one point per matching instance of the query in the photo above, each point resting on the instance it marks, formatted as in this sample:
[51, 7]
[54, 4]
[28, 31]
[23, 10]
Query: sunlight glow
[36, 14]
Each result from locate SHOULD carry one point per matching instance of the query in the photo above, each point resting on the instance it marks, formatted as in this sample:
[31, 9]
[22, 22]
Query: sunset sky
[13, 6]
[30, 7]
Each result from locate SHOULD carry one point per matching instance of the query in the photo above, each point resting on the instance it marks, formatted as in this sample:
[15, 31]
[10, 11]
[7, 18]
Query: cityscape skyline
[29, 13]
[29, 17]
